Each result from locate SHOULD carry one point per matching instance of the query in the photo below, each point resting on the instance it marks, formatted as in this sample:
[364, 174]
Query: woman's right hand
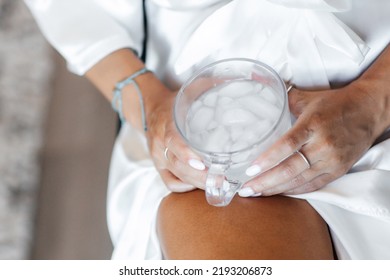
[180, 168]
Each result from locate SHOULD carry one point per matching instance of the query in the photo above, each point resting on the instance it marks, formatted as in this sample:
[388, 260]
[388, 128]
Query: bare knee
[256, 228]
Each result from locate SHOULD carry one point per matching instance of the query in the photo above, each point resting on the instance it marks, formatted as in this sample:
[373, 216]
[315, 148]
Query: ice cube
[251, 135]
[237, 116]
[196, 139]
[195, 106]
[213, 124]
[219, 110]
[236, 132]
[224, 104]
[236, 89]
[201, 119]
[269, 95]
[261, 128]
[257, 88]
[216, 139]
[225, 101]
[260, 107]
[210, 99]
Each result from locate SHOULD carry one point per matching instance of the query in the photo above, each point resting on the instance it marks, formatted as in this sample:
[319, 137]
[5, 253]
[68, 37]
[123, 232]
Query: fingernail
[180, 187]
[246, 192]
[257, 194]
[253, 170]
[196, 164]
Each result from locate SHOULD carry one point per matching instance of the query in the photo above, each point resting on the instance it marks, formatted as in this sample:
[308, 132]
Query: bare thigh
[249, 228]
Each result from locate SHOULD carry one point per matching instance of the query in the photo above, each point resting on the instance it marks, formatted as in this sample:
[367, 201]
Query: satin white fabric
[312, 43]
[285, 29]
[85, 31]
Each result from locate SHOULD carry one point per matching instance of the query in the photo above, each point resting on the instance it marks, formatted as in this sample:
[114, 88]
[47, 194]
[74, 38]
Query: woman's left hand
[333, 130]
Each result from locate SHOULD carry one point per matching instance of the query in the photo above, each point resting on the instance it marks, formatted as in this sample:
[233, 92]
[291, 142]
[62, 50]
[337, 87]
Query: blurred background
[56, 136]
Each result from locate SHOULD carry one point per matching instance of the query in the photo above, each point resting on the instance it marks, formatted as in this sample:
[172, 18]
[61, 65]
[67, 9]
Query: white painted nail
[257, 194]
[253, 170]
[196, 164]
[180, 187]
[246, 192]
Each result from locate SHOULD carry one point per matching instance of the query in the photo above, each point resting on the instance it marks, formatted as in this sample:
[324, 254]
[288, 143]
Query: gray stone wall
[25, 67]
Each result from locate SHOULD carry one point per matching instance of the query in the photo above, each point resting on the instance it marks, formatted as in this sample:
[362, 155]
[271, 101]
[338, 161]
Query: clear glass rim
[203, 69]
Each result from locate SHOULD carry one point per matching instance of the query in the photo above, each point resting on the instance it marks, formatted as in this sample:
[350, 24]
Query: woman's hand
[158, 100]
[333, 130]
[179, 167]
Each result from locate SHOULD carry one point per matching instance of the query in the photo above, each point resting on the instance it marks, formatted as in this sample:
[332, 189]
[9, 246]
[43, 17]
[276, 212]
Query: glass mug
[229, 112]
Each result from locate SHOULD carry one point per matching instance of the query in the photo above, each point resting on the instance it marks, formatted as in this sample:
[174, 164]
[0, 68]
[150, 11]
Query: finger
[258, 189]
[313, 185]
[173, 183]
[184, 172]
[296, 182]
[281, 174]
[157, 153]
[180, 149]
[288, 144]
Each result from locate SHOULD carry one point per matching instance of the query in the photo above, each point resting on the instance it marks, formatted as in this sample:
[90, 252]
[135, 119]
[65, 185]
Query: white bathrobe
[311, 43]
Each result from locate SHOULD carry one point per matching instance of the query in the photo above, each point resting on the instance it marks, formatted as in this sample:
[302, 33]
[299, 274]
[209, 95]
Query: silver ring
[166, 153]
[304, 159]
[289, 87]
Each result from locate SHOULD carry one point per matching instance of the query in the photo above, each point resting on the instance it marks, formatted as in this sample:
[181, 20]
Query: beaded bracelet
[117, 103]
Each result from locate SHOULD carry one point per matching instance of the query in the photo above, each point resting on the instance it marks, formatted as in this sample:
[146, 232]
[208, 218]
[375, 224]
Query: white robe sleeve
[85, 31]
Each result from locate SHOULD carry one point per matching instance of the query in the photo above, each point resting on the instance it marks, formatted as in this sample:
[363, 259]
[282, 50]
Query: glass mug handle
[219, 191]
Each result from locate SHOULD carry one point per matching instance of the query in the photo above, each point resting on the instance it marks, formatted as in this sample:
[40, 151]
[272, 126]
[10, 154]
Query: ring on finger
[307, 162]
[166, 153]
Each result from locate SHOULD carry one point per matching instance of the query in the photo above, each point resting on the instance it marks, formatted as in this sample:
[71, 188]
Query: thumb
[173, 183]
